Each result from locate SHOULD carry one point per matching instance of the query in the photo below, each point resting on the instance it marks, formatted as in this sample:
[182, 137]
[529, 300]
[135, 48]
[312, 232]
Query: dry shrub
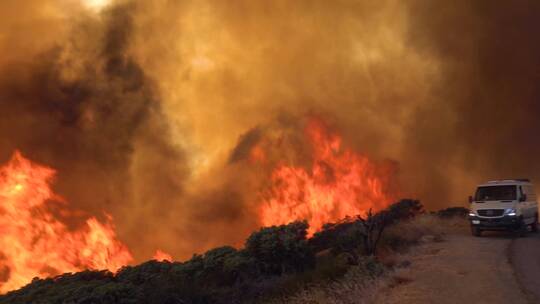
[422, 228]
[354, 288]
[359, 285]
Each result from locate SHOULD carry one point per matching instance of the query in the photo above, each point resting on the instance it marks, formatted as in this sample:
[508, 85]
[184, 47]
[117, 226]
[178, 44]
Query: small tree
[373, 227]
[362, 234]
[375, 224]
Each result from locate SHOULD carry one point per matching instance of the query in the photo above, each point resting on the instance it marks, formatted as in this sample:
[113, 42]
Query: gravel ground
[525, 257]
[496, 268]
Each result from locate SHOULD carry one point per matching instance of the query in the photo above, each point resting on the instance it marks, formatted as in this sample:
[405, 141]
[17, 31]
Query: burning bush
[35, 242]
[339, 183]
[325, 182]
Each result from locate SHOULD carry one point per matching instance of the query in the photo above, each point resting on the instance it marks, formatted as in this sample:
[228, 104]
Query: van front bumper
[497, 223]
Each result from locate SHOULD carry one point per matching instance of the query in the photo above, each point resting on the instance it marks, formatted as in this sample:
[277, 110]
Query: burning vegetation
[273, 262]
[35, 243]
[186, 125]
[339, 183]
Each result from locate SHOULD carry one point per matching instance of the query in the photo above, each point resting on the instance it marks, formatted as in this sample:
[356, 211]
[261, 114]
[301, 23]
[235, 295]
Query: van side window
[520, 192]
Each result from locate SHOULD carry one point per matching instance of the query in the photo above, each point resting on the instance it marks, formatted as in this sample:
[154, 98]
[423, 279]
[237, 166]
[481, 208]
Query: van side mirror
[470, 199]
[523, 198]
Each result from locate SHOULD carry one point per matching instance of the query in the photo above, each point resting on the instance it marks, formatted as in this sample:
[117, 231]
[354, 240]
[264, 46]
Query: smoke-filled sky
[145, 107]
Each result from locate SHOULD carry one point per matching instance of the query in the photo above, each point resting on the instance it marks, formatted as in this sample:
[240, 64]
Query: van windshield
[496, 193]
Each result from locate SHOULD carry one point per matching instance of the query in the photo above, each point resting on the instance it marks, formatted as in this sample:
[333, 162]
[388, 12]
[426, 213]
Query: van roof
[515, 181]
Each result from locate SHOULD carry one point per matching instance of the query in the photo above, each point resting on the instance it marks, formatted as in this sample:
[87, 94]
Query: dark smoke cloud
[482, 120]
[83, 107]
[150, 109]
[245, 144]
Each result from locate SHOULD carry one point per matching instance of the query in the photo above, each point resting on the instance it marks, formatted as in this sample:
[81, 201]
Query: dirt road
[496, 268]
[525, 257]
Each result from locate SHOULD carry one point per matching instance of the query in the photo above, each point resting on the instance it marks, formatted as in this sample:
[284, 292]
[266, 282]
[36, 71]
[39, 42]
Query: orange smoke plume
[340, 183]
[34, 242]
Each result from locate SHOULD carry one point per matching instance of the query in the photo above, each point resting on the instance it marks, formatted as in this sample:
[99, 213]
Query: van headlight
[510, 212]
[472, 213]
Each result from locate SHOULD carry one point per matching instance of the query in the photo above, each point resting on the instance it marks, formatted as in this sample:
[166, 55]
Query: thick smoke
[87, 109]
[150, 109]
[481, 121]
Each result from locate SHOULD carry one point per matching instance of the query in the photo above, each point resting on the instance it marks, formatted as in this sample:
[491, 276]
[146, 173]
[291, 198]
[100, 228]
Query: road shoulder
[461, 269]
[524, 256]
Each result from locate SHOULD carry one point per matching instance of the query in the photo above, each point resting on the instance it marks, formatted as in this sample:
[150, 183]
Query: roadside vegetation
[346, 262]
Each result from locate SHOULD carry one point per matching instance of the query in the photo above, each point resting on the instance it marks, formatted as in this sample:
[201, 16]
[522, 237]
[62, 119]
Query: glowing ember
[162, 256]
[340, 183]
[34, 243]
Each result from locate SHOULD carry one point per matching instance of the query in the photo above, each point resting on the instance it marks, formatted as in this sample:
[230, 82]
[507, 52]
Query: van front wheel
[476, 231]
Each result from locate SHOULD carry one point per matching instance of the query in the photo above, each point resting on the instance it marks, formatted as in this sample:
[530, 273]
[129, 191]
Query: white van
[504, 205]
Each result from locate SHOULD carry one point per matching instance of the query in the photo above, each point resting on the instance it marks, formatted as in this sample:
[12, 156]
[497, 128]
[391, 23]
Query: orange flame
[161, 256]
[34, 243]
[340, 183]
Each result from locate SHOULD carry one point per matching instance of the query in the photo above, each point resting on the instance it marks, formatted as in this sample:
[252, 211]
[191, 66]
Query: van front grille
[491, 212]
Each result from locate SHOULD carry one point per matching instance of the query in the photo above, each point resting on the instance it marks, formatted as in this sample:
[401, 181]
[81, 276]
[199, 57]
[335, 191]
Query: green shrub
[281, 249]
[340, 237]
[403, 209]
